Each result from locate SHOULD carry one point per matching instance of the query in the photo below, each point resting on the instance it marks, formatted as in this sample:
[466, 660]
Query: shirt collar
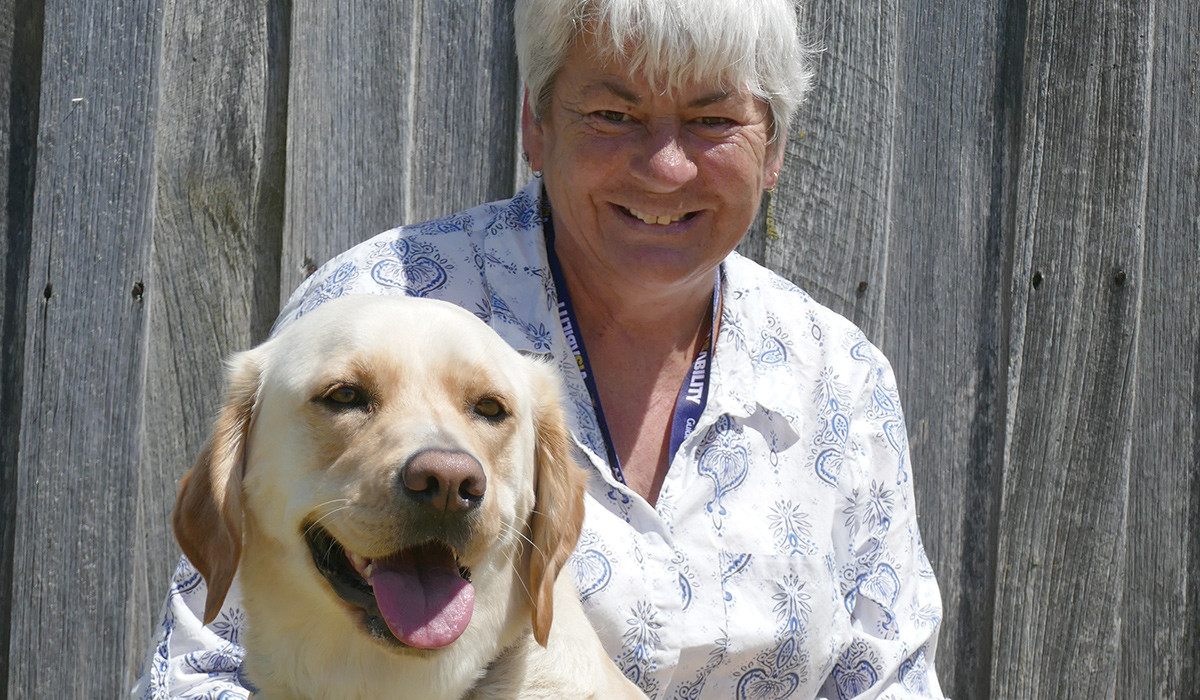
[741, 384]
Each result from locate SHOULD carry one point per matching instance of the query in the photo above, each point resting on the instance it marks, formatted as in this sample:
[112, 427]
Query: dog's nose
[445, 481]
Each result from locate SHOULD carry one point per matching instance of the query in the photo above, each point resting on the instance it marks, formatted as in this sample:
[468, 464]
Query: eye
[344, 396]
[490, 408]
[714, 126]
[613, 116]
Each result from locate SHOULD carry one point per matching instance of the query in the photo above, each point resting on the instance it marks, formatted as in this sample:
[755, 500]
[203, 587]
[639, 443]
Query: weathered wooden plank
[944, 326]
[831, 203]
[1081, 194]
[349, 127]
[1160, 626]
[214, 286]
[76, 485]
[464, 107]
[20, 53]
[399, 112]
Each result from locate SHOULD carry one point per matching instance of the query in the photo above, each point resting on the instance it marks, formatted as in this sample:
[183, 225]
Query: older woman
[750, 528]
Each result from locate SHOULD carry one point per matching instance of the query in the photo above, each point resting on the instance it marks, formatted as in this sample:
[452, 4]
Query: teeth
[652, 219]
[362, 565]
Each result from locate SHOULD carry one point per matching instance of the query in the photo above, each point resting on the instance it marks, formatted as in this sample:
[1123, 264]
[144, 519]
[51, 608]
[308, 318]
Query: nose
[666, 165]
[444, 481]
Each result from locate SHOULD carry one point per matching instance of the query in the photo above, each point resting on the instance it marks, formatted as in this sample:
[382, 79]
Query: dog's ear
[208, 513]
[558, 514]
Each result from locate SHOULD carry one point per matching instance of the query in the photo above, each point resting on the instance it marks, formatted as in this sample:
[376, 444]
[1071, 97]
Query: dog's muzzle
[418, 596]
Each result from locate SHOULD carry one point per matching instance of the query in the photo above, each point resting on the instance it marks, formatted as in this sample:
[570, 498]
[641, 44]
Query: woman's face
[647, 189]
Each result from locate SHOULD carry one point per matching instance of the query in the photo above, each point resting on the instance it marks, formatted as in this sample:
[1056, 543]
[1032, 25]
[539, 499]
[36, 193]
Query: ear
[773, 163]
[208, 513]
[531, 134]
[558, 514]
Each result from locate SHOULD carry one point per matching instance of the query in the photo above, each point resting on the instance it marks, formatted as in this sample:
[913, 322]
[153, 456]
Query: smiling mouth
[418, 597]
[654, 219]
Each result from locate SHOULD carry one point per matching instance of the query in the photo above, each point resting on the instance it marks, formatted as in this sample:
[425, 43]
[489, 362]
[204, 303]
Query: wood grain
[350, 127]
[83, 355]
[1081, 194]
[465, 102]
[14, 220]
[216, 248]
[1160, 612]
[943, 325]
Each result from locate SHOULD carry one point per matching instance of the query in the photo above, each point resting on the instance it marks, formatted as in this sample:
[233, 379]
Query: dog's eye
[344, 396]
[489, 408]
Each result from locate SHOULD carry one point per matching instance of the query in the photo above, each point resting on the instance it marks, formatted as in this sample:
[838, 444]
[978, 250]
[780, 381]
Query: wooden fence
[1002, 193]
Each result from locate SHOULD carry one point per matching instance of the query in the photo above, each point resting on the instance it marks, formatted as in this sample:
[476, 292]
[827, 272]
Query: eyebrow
[620, 90]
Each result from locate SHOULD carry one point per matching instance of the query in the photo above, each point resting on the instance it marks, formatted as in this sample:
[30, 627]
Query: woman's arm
[888, 586]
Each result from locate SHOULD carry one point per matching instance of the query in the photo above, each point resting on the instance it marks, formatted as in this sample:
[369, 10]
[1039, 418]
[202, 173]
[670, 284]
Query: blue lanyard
[693, 395]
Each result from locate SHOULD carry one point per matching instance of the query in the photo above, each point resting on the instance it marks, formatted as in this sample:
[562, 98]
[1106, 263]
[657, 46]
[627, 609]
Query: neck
[671, 318]
[641, 339]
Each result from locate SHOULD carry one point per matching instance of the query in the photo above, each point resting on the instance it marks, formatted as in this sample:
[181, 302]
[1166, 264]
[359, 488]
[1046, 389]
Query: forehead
[590, 72]
[392, 345]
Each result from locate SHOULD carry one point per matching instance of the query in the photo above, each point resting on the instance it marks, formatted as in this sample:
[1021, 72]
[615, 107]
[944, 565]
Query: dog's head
[399, 450]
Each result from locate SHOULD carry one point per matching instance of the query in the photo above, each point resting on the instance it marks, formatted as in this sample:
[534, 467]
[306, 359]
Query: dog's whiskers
[331, 502]
[523, 536]
[333, 511]
[512, 563]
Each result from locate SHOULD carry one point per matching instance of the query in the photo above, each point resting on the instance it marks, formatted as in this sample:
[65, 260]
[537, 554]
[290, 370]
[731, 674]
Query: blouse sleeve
[887, 583]
[188, 659]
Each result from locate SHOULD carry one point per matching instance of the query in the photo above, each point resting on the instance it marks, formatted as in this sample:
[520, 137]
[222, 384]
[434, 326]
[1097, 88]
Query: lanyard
[693, 395]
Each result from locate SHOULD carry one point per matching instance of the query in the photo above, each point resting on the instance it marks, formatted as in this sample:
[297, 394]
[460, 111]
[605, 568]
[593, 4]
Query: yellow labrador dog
[395, 487]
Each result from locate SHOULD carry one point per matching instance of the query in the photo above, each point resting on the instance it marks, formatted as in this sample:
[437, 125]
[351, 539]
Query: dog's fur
[318, 434]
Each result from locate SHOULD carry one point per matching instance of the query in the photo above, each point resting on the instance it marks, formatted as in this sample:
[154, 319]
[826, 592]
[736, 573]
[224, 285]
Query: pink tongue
[422, 597]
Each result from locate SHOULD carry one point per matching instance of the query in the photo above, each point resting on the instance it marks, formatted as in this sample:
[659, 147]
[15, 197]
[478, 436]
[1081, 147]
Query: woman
[750, 527]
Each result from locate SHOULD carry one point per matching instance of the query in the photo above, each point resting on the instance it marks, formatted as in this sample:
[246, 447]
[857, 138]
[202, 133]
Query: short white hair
[740, 44]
